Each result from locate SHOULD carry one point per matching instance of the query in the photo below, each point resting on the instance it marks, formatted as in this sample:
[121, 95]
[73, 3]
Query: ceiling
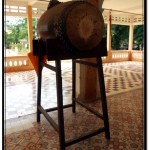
[132, 6]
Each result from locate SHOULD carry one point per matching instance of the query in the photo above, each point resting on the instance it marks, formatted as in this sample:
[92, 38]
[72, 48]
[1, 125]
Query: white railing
[15, 10]
[137, 55]
[123, 19]
[117, 55]
[17, 63]
[18, 10]
[120, 54]
[104, 58]
[22, 63]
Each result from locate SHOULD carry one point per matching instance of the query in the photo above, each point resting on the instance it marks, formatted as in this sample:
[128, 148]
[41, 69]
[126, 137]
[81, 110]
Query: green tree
[23, 29]
[105, 31]
[34, 28]
[19, 31]
[138, 37]
[120, 36]
[8, 39]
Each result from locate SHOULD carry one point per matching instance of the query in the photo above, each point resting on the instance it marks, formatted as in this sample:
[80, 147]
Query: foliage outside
[15, 33]
[139, 36]
[120, 37]
[19, 32]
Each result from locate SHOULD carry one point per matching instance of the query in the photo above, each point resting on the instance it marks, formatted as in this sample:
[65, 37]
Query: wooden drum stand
[56, 51]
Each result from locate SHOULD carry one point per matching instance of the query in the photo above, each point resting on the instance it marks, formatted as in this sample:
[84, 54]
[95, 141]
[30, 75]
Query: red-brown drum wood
[78, 24]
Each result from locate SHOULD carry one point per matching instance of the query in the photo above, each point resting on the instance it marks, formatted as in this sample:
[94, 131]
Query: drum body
[78, 24]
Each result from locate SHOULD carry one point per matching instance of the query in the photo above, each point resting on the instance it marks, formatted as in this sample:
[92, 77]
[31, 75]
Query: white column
[109, 33]
[131, 37]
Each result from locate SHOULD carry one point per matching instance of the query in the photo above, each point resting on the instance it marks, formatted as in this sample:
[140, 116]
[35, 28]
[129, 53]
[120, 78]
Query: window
[120, 37]
[105, 31]
[16, 35]
[138, 38]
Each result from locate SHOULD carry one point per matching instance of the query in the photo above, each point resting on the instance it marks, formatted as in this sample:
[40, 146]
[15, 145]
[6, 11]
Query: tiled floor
[21, 87]
[125, 118]
[124, 90]
[123, 76]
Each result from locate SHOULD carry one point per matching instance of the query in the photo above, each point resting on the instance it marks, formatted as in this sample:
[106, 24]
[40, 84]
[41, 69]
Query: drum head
[84, 26]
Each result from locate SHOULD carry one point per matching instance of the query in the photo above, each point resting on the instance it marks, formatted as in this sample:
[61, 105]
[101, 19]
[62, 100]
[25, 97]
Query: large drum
[78, 24]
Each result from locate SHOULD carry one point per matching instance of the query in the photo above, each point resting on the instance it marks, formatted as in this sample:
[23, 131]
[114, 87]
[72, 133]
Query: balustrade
[137, 56]
[17, 63]
[22, 63]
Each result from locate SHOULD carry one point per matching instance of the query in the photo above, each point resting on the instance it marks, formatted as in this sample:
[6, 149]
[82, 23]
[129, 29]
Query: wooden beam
[30, 32]
[88, 81]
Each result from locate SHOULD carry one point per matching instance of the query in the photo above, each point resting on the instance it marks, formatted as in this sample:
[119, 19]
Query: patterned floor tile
[126, 127]
[21, 87]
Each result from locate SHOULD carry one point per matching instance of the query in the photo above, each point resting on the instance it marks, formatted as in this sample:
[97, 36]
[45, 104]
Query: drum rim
[63, 28]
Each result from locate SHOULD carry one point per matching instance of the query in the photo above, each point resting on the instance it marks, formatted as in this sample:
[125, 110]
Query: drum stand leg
[103, 97]
[39, 87]
[73, 86]
[60, 127]
[99, 66]
[60, 105]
